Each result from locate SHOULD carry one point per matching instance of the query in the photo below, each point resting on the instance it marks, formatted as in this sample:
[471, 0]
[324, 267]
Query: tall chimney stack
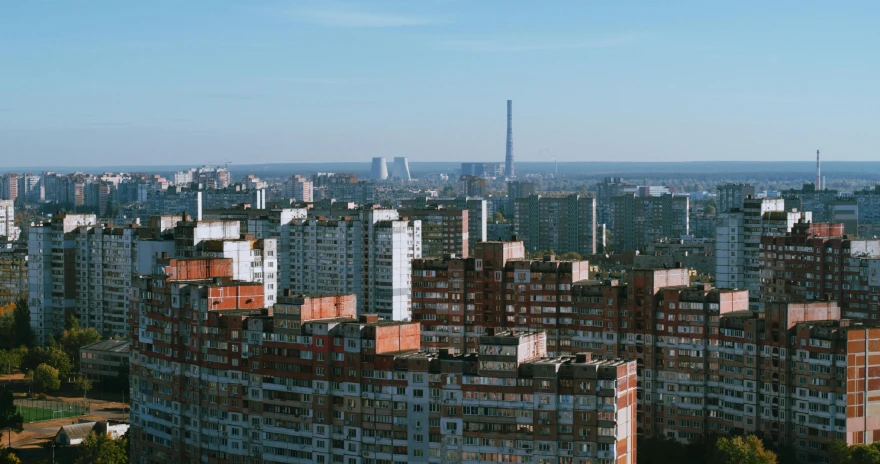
[508, 159]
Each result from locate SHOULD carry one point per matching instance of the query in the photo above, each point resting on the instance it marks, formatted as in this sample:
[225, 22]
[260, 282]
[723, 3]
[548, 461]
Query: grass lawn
[32, 414]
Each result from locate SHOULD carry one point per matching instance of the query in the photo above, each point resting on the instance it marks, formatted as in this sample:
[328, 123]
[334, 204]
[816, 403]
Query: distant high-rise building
[400, 170]
[369, 255]
[561, 224]
[7, 220]
[515, 191]
[812, 199]
[636, 221]
[731, 196]
[51, 257]
[605, 192]
[472, 186]
[488, 170]
[252, 182]
[30, 188]
[298, 188]
[379, 171]
[9, 187]
[653, 190]
[476, 208]
[738, 242]
[444, 230]
[508, 158]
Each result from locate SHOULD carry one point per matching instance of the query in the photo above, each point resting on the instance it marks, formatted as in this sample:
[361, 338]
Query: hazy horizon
[272, 82]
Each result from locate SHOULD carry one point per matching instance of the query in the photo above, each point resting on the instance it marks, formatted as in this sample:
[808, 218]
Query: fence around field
[43, 410]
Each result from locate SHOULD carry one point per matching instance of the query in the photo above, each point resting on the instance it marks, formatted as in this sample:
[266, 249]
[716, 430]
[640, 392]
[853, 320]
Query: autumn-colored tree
[742, 450]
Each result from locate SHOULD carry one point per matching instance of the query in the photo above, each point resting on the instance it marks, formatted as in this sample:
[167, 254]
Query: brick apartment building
[457, 299]
[706, 364]
[819, 262]
[217, 379]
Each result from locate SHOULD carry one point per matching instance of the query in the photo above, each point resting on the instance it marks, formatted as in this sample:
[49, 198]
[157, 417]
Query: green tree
[572, 256]
[742, 450]
[46, 378]
[498, 217]
[75, 338]
[22, 333]
[840, 453]
[101, 449]
[709, 210]
[864, 454]
[54, 357]
[10, 360]
[10, 419]
[83, 384]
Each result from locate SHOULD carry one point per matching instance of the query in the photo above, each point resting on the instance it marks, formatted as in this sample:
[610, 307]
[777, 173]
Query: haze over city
[122, 83]
[439, 231]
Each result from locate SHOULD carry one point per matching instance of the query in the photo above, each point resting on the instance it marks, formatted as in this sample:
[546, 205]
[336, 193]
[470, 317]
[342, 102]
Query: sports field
[43, 410]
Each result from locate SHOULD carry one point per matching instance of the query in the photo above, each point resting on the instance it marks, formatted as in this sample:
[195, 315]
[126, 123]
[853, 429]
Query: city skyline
[290, 82]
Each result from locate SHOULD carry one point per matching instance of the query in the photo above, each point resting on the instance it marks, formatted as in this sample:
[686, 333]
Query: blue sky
[119, 82]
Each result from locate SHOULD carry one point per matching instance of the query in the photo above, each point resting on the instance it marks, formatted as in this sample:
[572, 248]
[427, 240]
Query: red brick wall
[402, 337]
[198, 269]
[328, 307]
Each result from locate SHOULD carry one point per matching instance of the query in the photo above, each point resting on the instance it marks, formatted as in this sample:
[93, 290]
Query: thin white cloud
[344, 16]
[495, 46]
[316, 80]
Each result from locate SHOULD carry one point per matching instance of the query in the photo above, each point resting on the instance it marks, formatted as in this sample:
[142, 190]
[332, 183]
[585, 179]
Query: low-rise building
[104, 359]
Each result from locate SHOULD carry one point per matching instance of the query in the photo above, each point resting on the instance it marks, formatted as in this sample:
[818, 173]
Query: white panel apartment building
[106, 258]
[366, 252]
[7, 220]
[738, 241]
[51, 255]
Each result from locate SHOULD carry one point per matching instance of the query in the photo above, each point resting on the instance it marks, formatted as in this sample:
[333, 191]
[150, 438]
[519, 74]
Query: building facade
[457, 300]
[706, 363]
[733, 196]
[51, 259]
[515, 191]
[476, 208]
[562, 224]
[366, 252]
[9, 186]
[445, 231]
[13, 275]
[313, 384]
[605, 192]
[298, 188]
[819, 262]
[104, 360]
[637, 220]
[738, 242]
[8, 228]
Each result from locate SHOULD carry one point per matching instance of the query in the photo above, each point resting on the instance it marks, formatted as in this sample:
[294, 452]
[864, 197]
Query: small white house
[74, 434]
